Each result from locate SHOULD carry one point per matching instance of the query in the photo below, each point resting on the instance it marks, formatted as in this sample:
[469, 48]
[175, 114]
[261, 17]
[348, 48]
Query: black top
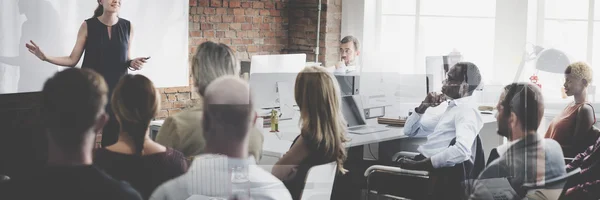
[69, 182]
[107, 56]
[316, 157]
[144, 173]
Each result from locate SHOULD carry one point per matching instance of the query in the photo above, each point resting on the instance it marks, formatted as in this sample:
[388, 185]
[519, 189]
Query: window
[410, 30]
[571, 27]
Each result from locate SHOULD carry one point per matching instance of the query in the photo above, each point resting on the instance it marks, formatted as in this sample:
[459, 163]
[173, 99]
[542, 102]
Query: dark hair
[71, 102]
[351, 39]
[135, 103]
[471, 75]
[526, 101]
[99, 10]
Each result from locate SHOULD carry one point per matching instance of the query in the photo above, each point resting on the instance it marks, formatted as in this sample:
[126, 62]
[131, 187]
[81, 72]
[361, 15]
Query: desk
[277, 144]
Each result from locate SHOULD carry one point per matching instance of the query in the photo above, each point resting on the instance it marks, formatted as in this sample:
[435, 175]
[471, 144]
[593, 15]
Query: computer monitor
[353, 110]
[268, 88]
[283, 63]
[349, 84]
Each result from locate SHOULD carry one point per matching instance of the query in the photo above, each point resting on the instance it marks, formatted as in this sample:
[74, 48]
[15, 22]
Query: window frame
[416, 46]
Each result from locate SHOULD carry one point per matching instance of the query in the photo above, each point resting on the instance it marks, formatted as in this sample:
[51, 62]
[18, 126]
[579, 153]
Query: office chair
[319, 181]
[424, 184]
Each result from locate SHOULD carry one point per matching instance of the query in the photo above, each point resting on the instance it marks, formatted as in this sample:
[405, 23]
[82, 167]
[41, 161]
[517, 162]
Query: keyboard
[366, 129]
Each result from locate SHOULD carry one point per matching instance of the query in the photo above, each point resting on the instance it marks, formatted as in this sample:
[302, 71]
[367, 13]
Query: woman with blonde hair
[322, 129]
[135, 158]
[572, 129]
[184, 131]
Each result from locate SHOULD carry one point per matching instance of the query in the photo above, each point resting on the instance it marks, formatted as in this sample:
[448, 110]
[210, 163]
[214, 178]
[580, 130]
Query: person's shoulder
[553, 149]
[125, 21]
[188, 116]
[270, 187]
[551, 144]
[262, 176]
[585, 110]
[170, 187]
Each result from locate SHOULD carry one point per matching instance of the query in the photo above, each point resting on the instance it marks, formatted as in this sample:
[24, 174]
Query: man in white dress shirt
[225, 171]
[461, 120]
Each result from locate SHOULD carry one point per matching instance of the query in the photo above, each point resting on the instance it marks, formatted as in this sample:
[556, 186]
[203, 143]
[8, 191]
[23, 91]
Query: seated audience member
[226, 169]
[586, 185]
[528, 158]
[321, 138]
[73, 111]
[183, 131]
[135, 158]
[572, 129]
[460, 122]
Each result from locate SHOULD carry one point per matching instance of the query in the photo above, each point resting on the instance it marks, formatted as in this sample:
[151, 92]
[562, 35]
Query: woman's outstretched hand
[35, 50]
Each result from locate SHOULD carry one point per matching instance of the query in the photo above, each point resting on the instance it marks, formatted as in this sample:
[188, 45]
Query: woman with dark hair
[106, 39]
[135, 158]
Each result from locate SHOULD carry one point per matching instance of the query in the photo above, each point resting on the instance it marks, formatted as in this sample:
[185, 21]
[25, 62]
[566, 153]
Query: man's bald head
[227, 108]
[527, 102]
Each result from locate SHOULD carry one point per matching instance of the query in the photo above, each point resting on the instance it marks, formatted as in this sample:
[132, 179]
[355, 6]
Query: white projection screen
[160, 31]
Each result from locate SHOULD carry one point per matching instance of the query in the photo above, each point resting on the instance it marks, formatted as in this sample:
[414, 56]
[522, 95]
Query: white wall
[53, 25]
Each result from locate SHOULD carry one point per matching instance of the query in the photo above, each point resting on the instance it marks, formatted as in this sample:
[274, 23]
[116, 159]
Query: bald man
[526, 158]
[225, 170]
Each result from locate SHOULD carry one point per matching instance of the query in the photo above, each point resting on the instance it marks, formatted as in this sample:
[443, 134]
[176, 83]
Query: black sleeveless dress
[108, 57]
[295, 185]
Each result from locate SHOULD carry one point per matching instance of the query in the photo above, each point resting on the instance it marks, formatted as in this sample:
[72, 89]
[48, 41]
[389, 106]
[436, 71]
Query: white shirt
[223, 177]
[461, 120]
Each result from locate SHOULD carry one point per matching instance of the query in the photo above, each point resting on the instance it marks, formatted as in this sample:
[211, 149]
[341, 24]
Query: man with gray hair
[183, 131]
[225, 171]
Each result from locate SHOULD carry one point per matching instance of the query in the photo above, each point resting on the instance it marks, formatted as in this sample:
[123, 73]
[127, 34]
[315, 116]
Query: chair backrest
[319, 181]
[479, 162]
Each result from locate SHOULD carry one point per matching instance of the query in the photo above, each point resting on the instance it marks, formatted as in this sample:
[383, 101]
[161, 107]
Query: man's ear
[585, 82]
[357, 52]
[512, 120]
[100, 123]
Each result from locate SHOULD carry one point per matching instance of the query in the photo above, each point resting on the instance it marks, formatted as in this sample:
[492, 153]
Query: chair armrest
[396, 170]
[408, 154]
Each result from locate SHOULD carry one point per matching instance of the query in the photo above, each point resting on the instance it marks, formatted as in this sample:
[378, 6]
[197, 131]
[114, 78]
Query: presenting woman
[106, 39]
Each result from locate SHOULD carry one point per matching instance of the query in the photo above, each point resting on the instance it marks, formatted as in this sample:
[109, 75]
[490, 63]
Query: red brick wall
[257, 27]
[250, 27]
[303, 29]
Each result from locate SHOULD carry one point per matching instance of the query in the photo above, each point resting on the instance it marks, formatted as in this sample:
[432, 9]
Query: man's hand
[340, 64]
[432, 99]
[406, 163]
